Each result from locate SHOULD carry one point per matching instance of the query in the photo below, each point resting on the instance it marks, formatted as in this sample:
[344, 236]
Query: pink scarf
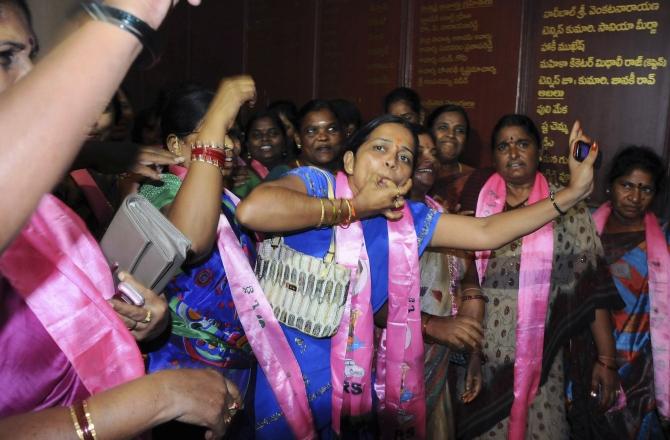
[537, 252]
[262, 329]
[400, 363]
[432, 203]
[94, 196]
[658, 263]
[259, 168]
[57, 267]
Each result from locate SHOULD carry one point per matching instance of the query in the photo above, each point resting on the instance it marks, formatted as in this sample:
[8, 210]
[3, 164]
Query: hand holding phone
[129, 294]
[582, 149]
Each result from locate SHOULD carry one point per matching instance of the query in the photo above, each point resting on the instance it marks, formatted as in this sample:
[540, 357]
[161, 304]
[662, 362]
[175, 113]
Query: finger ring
[133, 327]
[147, 319]
[593, 394]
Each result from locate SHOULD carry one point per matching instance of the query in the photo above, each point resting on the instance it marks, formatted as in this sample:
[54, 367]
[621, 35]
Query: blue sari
[312, 354]
[206, 330]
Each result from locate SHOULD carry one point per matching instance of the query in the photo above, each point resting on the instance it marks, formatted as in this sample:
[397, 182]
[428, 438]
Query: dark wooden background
[492, 56]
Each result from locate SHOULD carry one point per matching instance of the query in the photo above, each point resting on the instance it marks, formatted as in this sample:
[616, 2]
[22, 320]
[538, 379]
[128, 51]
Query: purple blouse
[34, 372]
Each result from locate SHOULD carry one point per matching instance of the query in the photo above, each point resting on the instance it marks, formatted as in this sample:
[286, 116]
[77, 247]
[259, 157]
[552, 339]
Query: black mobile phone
[581, 150]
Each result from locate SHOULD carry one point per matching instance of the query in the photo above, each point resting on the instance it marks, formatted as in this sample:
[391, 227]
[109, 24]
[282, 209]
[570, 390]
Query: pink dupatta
[537, 252]
[400, 386]
[658, 263]
[259, 168]
[262, 329]
[94, 196]
[58, 268]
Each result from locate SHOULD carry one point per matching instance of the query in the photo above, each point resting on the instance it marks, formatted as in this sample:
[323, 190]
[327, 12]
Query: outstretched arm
[496, 230]
[77, 79]
[283, 205]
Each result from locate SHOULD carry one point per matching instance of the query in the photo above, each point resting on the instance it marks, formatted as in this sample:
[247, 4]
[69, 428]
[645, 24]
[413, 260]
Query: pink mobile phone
[129, 294]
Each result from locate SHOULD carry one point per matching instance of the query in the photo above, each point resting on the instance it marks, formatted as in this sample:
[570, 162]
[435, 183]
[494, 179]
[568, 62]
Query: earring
[607, 191]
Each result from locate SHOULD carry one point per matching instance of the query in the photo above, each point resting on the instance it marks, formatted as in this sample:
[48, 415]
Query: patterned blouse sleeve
[162, 195]
[315, 180]
[425, 221]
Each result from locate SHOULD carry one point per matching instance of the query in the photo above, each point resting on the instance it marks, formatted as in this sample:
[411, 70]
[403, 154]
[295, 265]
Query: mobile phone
[129, 294]
[581, 150]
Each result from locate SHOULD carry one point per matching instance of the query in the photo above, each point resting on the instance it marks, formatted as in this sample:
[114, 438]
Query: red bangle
[211, 152]
[213, 156]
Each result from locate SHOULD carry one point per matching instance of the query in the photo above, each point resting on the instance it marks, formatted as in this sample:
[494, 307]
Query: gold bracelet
[472, 288]
[339, 211]
[323, 213]
[345, 224]
[77, 428]
[91, 426]
[333, 219]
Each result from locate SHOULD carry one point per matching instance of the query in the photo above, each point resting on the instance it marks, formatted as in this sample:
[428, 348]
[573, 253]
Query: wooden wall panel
[280, 48]
[201, 45]
[360, 46]
[467, 52]
[606, 64]
[216, 41]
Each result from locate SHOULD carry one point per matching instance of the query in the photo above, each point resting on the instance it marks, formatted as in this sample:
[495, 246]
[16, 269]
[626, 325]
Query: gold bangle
[339, 211]
[91, 426]
[323, 214]
[77, 428]
[472, 288]
[345, 223]
[333, 219]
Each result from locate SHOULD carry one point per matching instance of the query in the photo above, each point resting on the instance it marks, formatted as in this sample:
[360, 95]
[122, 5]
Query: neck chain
[509, 207]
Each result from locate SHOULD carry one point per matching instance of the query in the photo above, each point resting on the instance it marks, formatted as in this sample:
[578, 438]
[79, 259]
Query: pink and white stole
[59, 270]
[537, 252]
[432, 203]
[658, 264]
[399, 382]
[262, 329]
[259, 168]
[94, 196]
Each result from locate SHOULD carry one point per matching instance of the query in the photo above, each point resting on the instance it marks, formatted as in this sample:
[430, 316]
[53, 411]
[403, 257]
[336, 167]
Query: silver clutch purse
[143, 242]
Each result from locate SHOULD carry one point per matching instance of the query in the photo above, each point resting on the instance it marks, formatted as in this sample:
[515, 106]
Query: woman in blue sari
[378, 169]
[206, 331]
